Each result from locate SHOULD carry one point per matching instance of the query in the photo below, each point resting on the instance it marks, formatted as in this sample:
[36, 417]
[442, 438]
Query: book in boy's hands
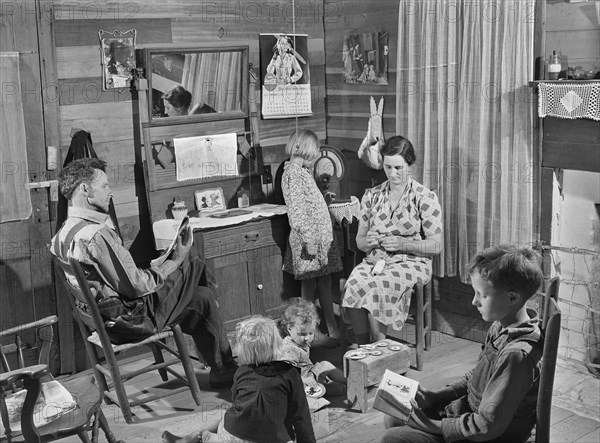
[180, 230]
[394, 395]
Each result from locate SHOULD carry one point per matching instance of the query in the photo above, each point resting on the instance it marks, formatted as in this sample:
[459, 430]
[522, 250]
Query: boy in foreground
[495, 401]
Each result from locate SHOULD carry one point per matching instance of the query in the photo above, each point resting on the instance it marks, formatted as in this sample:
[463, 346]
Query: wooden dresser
[246, 260]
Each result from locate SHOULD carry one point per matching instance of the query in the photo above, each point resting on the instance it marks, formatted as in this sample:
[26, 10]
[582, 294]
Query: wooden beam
[545, 215]
[569, 155]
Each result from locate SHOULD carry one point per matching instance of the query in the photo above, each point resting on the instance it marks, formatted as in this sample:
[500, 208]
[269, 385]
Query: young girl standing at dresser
[312, 253]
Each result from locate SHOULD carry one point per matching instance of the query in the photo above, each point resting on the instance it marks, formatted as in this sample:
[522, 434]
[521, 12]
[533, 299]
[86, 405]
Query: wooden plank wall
[572, 29]
[348, 104]
[347, 118]
[26, 292]
[571, 144]
[111, 116]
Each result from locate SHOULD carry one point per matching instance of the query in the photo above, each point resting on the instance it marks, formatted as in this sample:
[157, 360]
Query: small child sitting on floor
[268, 399]
[298, 325]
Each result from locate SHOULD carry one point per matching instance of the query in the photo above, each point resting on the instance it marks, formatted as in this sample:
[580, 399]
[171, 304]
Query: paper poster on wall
[285, 75]
[365, 58]
[206, 156]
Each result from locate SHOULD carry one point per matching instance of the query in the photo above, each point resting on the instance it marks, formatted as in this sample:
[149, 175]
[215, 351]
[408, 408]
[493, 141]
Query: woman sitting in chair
[401, 224]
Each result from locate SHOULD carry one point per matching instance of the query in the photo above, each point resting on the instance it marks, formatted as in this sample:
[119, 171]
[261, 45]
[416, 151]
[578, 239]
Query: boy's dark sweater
[497, 398]
[269, 405]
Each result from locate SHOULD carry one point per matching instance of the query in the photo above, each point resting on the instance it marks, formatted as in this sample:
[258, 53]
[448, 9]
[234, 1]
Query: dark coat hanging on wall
[81, 147]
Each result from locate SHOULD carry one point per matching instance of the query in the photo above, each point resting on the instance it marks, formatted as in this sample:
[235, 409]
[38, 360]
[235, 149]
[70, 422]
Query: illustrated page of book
[398, 391]
[183, 225]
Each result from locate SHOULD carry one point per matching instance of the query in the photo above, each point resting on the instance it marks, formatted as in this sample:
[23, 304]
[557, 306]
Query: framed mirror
[189, 84]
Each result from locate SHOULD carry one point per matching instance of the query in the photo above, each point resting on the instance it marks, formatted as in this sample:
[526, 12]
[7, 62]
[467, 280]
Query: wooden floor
[449, 358]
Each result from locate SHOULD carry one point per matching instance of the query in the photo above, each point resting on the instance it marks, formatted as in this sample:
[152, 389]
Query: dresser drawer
[248, 236]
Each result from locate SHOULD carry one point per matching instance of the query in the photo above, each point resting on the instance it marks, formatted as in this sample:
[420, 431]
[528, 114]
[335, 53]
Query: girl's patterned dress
[387, 295]
[309, 219]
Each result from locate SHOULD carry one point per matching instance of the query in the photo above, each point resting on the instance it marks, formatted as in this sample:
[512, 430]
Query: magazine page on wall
[285, 75]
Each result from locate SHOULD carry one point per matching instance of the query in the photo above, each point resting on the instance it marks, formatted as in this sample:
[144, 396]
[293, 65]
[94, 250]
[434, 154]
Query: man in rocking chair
[135, 302]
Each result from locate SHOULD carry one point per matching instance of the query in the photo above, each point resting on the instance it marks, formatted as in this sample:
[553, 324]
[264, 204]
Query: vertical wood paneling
[26, 292]
[348, 104]
[111, 116]
[572, 29]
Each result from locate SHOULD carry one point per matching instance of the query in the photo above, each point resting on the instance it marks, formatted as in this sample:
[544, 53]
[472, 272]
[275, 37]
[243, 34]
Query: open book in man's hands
[180, 230]
[394, 395]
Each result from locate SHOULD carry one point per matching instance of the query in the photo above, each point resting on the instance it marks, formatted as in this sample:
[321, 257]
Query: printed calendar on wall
[285, 75]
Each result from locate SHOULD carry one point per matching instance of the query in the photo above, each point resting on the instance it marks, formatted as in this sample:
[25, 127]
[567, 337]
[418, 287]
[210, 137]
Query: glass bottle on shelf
[553, 66]
[243, 198]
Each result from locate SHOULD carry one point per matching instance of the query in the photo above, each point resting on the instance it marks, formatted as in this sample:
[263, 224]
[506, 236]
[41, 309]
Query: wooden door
[26, 288]
[266, 281]
[231, 272]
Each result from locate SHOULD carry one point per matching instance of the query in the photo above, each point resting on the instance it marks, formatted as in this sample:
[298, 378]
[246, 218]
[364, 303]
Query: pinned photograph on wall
[118, 58]
[365, 58]
[285, 75]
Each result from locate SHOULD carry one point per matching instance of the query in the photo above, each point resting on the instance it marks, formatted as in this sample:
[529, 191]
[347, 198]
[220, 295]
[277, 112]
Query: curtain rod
[573, 250]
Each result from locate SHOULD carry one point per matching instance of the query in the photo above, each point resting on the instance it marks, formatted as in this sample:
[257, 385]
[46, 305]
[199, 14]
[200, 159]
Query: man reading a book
[495, 401]
[135, 302]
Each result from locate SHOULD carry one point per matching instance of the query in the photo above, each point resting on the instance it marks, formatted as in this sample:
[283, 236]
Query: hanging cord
[294, 34]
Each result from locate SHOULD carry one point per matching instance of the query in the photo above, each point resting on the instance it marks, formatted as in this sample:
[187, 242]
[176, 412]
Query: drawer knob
[259, 287]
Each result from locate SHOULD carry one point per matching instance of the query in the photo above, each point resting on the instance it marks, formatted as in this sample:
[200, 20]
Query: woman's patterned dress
[309, 218]
[387, 295]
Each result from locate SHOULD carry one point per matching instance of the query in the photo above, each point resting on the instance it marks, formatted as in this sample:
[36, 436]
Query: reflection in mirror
[192, 82]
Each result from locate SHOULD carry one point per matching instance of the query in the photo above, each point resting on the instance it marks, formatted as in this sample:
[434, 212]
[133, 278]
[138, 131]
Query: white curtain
[214, 78]
[15, 200]
[463, 100]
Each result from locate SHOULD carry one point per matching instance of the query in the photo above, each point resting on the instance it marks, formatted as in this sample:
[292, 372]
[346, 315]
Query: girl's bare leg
[326, 301]
[360, 325]
[309, 287]
[378, 329]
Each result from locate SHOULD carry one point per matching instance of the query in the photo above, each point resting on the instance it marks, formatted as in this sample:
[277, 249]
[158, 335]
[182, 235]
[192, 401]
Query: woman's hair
[283, 40]
[300, 312]
[79, 171]
[398, 145]
[179, 97]
[257, 341]
[303, 143]
[510, 268]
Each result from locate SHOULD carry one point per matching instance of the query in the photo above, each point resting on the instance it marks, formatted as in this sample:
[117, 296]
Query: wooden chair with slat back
[550, 325]
[420, 313]
[37, 337]
[91, 325]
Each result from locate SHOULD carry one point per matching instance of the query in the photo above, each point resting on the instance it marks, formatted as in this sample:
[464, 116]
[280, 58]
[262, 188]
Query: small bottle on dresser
[243, 198]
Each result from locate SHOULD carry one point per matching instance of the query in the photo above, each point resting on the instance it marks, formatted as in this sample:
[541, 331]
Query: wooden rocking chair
[96, 337]
[85, 418]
